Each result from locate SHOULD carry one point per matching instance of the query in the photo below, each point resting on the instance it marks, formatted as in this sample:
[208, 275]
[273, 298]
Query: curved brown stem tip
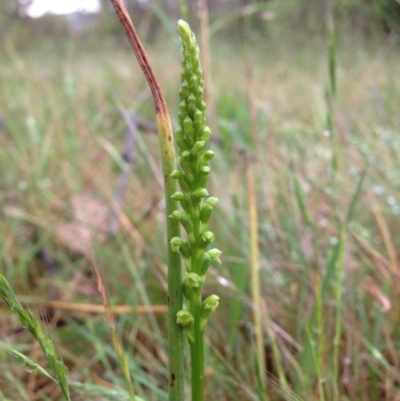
[141, 56]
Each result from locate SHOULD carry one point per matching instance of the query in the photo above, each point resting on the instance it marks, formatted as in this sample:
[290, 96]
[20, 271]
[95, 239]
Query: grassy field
[328, 206]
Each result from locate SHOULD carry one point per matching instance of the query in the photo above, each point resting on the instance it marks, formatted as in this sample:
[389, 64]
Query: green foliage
[57, 105]
[29, 321]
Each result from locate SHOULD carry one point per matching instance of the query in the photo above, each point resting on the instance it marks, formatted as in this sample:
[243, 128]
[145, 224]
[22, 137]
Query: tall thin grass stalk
[331, 89]
[253, 218]
[255, 280]
[166, 140]
[319, 352]
[123, 361]
[339, 281]
[338, 309]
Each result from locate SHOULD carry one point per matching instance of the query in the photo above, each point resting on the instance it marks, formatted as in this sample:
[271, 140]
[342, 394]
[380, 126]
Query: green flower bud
[182, 111]
[198, 147]
[191, 104]
[193, 83]
[205, 133]
[207, 209]
[198, 118]
[192, 280]
[185, 250]
[200, 92]
[200, 193]
[186, 165]
[214, 253]
[178, 196]
[205, 239]
[212, 201]
[176, 243]
[205, 213]
[188, 127]
[205, 264]
[197, 195]
[184, 90]
[192, 284]
[207, 236]
[203, 176]
[207, 156]
[181, 177]
[185, 319]
[184, 219]
[176, 214]
[180, 140]
[198, 125]
[184, 31]
[209, 305]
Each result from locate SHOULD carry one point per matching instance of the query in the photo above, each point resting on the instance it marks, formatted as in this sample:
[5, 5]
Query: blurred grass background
[64, 94]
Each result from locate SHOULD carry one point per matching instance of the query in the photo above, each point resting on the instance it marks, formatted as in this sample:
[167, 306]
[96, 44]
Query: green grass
[62, 138]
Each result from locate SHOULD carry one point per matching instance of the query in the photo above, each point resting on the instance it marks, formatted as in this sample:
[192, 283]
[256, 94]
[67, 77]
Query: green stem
[175, 292]
[168, 159]
[197, 351]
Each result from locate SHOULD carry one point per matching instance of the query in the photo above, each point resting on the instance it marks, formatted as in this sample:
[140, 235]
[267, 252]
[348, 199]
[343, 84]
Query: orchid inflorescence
[192, 136]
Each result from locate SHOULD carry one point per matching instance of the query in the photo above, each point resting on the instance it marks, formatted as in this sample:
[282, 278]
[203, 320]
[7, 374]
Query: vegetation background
[302, 93]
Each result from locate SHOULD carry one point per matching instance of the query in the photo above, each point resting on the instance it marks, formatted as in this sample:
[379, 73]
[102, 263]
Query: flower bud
[191, 104]
[180, 140]
[205, 264]
[192, 280]
[207, 209]
[184, 219]
[205, 239]
[203, 176]
[181, 177]
[176, 243]
[197, 195]
[198, 121]
[214, 253]
[184, 90]
[200, 193]
[193, 82]
[178, 196]
[192, 284]
[198, 147]
[185, 319]
[205, 133]
[186, 165]
[176, 214]
[207, 156]
[184, 249]
[182, 110]
[188, 127]
[200, 94]
[209, 305]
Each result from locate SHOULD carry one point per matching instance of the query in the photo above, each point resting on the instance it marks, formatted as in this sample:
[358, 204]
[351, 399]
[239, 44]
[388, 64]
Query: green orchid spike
[192, 137]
